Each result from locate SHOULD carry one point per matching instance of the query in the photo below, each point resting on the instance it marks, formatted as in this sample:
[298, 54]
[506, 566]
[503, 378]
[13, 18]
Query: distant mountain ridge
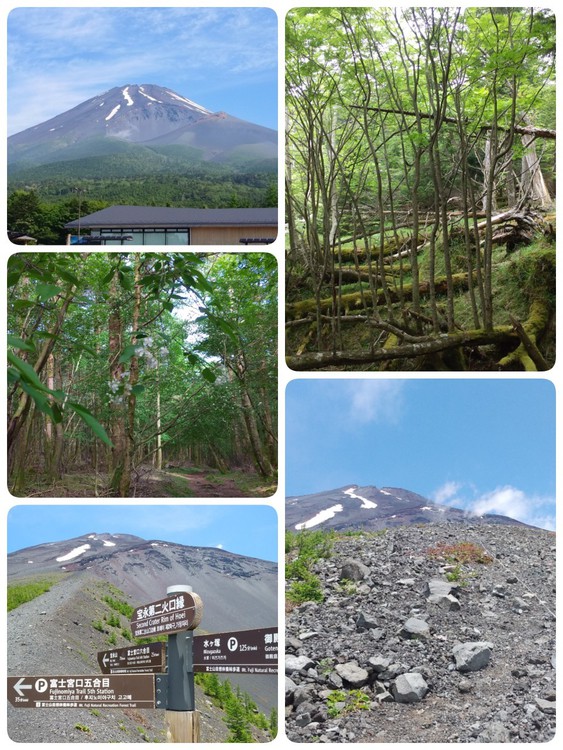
[370, 508]
[145, 115]
[238, 592]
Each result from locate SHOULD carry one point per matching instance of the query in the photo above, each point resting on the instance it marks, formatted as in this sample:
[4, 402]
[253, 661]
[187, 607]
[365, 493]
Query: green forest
[142, 374]
[420, 189]
[42, 200]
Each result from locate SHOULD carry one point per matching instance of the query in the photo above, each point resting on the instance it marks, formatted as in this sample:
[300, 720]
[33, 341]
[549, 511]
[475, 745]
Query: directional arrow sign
[83, 691]
[242, 651]
[181, 611]
[148, 658]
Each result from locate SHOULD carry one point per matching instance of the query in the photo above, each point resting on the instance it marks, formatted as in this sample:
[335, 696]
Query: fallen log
[356, 301]
[502, 336]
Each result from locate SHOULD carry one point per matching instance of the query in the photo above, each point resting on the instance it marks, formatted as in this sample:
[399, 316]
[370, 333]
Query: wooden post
[183, 726]
[182, 719]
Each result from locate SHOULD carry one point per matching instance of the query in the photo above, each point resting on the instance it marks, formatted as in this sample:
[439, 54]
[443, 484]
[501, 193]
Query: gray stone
[379, 663]
[465, 686]
[384, 697]
[448, 602]
[548, 707]
[439, 587]
[289, 690]
[364, 622]
[377, 633]
[472, 656]
[352, 674]
[415, 628]
[296, 663]
[353, 570]
[409, 688]
[494, 732]
[302, 694]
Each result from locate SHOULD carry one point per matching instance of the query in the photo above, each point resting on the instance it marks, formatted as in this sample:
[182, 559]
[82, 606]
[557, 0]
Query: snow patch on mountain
[76, 552]
[113, 112]
[127, 97]
[324, 515]
[365, 502]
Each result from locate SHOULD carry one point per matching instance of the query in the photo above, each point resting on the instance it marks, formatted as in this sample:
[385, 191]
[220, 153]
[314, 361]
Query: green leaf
[18, 343]
[137, 389]
[46, 291]
[128, 353]
[209, 375]
[91, 421]
[41, 402]
[67, 276]
[26, 371]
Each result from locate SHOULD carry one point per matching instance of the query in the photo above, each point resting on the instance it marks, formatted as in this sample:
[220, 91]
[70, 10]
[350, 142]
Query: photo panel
[142, 126]
[420, 193]
[161, 628]
[420, 560]
[142, 374]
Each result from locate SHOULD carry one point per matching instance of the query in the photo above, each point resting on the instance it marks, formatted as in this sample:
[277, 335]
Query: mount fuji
[148, 116]
[371, 509]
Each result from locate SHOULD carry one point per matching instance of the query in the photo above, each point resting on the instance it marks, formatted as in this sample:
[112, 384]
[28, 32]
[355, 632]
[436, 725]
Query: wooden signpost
[149, 658]
[83, 691]
[135, 677]
[240, 652]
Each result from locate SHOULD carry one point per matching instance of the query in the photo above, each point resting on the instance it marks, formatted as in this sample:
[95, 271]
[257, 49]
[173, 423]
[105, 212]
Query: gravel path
[379, 629]
[53, 635]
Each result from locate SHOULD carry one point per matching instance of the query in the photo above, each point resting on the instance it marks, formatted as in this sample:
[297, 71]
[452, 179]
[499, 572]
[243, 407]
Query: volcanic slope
[426, 633]
[369, 508]
[62, 631]
[148, 116]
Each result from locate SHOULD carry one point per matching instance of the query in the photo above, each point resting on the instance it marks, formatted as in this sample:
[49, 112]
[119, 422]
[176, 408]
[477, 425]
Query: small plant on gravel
[462, 552]
[307, 590]
[456, 575]
[99, 625]
[344, 702]
[82, 727]
[325, 667]
[303, 550]
[347, 587]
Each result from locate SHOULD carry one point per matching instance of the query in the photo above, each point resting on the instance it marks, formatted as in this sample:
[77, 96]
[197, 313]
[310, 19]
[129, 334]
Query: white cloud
[505, 501]
[447, 493]
[512, 502]
[373, 400]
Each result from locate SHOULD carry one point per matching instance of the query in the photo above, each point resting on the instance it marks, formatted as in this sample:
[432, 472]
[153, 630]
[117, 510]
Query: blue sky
[249, 530]
[224, 58]
[483, 445]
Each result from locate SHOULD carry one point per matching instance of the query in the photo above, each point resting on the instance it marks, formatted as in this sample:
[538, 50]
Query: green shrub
[20, 593]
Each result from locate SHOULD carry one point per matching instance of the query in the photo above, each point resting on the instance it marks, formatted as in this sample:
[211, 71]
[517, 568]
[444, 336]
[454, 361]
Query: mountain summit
[370, 508]
[147, 115]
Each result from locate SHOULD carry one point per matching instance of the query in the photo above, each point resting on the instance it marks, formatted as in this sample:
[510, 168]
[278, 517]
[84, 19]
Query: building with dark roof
[154, 225]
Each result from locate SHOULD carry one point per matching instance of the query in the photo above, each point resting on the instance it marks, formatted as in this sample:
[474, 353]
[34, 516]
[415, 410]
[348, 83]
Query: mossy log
[502, 336]
[357, 301]
[390, 249]
[527, 355]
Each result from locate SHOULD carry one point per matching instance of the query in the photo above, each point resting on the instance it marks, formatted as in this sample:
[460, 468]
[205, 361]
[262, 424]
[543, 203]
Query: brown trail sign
[181, 611]
[83, 691]
[240, 652]
[148, 658]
